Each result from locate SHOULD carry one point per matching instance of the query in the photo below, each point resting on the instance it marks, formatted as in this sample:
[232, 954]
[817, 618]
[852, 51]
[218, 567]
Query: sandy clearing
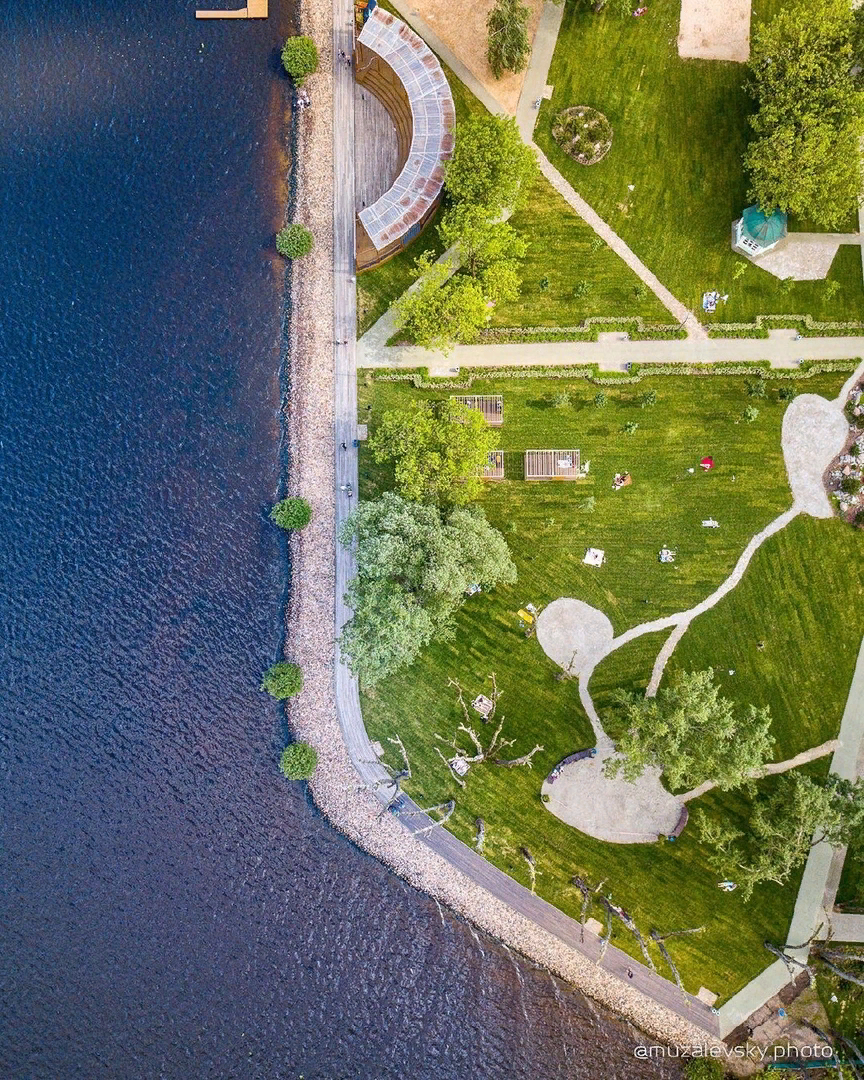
[463, 28]
[712, 31]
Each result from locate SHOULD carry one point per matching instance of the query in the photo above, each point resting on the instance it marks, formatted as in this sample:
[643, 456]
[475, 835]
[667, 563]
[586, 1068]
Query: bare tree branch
[453, 772]
[532, 866]
[524, 760]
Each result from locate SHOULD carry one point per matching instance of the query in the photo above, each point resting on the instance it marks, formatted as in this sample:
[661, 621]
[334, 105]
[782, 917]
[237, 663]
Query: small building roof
[763, 229]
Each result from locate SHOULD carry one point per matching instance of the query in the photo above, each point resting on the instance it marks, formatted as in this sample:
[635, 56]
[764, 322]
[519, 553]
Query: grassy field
[680, 130]
[548, 527]
[559, 250]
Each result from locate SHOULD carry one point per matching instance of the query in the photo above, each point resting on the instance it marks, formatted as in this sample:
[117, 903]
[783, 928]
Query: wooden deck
[256, 9]
[552, 465]
[491, 405]
[377, 156]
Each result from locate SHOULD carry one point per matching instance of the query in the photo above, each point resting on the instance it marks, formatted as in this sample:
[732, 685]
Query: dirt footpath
[713, 31]
[463, 28]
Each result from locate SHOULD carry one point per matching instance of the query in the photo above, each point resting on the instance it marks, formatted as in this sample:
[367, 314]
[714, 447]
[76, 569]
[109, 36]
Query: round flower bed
[583, 133]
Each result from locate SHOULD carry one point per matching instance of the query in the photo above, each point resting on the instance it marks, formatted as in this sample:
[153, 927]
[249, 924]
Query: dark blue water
[172, 907]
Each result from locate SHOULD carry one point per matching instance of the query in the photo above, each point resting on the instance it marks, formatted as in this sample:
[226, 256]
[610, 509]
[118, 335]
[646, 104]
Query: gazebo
[756, 232]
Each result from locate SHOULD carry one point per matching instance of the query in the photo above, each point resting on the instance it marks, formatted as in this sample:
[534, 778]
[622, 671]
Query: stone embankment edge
[336, 787]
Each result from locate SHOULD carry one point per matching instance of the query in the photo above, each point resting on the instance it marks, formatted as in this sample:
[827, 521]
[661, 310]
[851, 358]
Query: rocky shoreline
[336, 787]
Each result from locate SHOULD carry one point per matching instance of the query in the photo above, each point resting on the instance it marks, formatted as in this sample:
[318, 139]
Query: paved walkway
[782, 352]
[537, 75]
[810, 906]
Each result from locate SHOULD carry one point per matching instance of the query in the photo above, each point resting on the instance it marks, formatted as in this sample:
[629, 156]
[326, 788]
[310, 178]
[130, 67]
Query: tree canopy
[784, 825]
[414, 567]
[508, 46]
[804, 157]
[437, 449]
[482, 241]
[693, 734]
[441, 310]
[298, 761]
[491, 165]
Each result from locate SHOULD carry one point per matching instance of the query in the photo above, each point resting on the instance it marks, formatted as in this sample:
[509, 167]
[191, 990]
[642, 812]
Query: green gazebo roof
[764, 229]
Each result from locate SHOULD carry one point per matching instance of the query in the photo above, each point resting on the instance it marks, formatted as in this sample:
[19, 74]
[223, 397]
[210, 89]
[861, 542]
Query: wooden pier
[256, 9]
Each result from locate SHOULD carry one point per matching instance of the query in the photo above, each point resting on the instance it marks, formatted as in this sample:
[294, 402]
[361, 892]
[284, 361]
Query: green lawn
[680, 130]
[783, 599]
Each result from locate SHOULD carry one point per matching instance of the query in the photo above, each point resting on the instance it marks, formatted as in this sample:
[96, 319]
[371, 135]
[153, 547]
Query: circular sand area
[612, 810]
[574, 634]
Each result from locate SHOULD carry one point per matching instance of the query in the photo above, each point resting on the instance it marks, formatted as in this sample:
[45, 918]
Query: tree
[481, 240]
[294, 241]
[300, 58]
[693, 734]
[298, 761]
[440, 311]
[282, 680]
[414, 567]
[491, 165]
[804, 156]
[784, 825]
[291, 513]
[437, 448]
[750, 414]
[508, 46]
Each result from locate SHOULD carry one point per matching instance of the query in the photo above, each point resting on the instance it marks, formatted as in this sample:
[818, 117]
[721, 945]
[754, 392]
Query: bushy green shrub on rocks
[294, 241]
[282, 680]
[291, 513]
[298, 761]
[300, 58]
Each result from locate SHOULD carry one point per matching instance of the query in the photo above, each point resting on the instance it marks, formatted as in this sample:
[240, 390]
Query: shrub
[832, 287]
[756, 388]
[600, 400]
[298, 761]
[581, 288]
[859, 518]
[291, 513]
[294, 241]
[630, 428]
[639, 291]
[750, 414]
[855, 449]
[509, 44]
[851, 485]
[648, 398]
[787, 393]
[596, 244]
[544, 284]
[587, 504]
[282, 680]
[561, 400]
[300, 58]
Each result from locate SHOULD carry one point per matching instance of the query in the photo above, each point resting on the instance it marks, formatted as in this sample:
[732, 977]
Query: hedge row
[761, 368]
[587, 330]
[804, 324]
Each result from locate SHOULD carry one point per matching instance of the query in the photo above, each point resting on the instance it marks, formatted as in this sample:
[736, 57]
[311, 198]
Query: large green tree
[481, 240]
[437, 449]
[508, 46]
[441, 310]
[804, 157]
[414, 567]
[491, 165]
[693, 734]
[784, 825]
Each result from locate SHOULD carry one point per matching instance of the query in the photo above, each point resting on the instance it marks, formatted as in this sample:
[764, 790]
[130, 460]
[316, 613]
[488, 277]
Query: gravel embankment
[309, 620]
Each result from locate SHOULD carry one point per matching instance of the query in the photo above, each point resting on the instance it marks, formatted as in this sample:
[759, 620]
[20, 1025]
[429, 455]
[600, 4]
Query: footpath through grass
[672, 184]
[548, 526]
